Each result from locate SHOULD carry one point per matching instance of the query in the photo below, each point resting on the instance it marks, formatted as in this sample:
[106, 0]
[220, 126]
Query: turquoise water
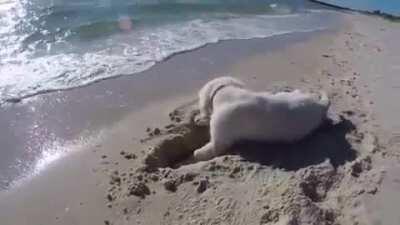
[52, 45]
[388, 6]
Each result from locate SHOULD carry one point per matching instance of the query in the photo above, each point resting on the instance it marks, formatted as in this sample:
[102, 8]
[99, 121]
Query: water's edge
[14, 100]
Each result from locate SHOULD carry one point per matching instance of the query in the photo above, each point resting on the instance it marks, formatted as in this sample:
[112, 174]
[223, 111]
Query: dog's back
[287, 116]
[238, 114]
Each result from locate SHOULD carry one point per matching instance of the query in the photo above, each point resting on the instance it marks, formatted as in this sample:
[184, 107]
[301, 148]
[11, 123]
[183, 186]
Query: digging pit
[180, 139]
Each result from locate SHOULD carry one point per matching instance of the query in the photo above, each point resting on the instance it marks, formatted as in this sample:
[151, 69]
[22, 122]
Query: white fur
[239, 114]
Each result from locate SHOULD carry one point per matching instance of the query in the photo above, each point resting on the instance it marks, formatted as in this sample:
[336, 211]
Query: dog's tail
[324, 100]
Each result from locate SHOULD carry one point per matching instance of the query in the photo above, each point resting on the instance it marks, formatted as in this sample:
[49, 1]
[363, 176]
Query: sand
[124, 173]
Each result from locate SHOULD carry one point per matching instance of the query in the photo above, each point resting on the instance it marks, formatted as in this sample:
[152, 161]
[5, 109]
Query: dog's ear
[208, 92]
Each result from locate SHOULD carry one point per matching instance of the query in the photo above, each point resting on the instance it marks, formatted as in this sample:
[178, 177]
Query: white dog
[237, 114]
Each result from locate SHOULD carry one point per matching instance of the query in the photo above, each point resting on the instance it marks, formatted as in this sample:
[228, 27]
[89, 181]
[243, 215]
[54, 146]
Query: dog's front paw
[200, 155]
[204, 153]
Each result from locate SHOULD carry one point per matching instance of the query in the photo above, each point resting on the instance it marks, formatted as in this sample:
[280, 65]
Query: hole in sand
[328, 142]
[180, 141]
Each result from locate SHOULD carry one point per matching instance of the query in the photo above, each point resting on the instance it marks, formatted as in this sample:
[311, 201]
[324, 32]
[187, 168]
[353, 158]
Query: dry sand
[344, 174]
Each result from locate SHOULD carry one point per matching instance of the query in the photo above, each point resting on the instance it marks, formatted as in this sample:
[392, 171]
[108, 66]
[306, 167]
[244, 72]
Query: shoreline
[18, 92]
[16, 100]
[78, 188]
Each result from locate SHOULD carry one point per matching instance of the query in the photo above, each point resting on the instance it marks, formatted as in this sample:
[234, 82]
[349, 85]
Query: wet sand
[355, 64]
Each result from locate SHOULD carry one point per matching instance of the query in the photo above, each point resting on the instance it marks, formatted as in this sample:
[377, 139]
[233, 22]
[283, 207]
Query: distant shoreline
[367, 12]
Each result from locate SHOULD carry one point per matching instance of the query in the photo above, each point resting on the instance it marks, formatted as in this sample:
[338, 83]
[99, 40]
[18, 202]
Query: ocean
[49, 45]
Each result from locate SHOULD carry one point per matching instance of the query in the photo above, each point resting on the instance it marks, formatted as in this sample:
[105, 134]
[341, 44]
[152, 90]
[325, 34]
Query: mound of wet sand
[322, 179]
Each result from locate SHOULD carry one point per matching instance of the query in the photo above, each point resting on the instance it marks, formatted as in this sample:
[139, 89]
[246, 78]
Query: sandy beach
[108, 132]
